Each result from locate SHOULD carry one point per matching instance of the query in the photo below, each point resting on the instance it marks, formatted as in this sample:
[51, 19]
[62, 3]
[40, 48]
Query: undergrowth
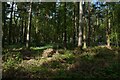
[96, 62]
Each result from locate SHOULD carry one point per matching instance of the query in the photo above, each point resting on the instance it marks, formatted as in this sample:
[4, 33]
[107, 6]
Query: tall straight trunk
[89, 26]
[116, 38]
[58, 25]
[4, 21]
[97, 26]
[14, 29]
[108, 28]
[84, 30]
[29, 26]
[36, 29]
[75, 25]
[22, 30]
[13, 34]
[55, 22]
[115, 30]
[36, 32]
[80, 26]
[65, 30]
[25, 32]
[108, 33]
[84, 34]
[93, 35]
[10, 24]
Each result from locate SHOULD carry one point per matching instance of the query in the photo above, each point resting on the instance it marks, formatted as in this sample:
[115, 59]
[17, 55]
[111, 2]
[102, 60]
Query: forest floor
[91, 63]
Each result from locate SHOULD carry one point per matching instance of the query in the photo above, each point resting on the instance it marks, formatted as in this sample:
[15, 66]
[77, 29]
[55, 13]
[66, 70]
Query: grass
[98, 62]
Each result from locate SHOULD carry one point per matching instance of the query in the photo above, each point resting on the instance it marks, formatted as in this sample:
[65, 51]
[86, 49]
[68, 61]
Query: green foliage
[12, 55]
[12, 59]
[88, 57]
[10, 63]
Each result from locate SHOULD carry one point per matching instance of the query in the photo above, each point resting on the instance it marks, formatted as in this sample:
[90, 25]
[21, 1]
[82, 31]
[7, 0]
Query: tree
[85, 27]
[108, 27]
[80, 25]
[10, 24]
[89, 25]
[4, 22]
[65, 33]
[29, 26]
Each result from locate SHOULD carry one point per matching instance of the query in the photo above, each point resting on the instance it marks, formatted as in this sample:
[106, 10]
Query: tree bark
[84, 34]
[4, 21]
[89, 25]
[14, 29]
[80, 26]
[29, 26]
[65, 31]
[84, 30]
[108, 28]
[108, 33]
[75, 25]
[25, 31]
[10, 24]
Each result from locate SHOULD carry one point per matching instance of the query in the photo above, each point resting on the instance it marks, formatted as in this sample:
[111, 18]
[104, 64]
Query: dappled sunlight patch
[48, 53]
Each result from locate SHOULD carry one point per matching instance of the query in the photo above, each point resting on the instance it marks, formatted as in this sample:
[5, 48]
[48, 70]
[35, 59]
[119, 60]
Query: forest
[63, 40]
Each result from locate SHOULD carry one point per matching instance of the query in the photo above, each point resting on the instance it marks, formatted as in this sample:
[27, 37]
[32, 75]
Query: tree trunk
[58, 25]
[89, 25]
[116, 38]
[80, 26]
[108, 28]
[84, 30]
[65, 31]
[84, 34]
[22, 31]
[55, 23]
[4, 21]
[97, 26]
[25, 31]
[29, 26]
[108, 33]
[75, 25]
[14, 29]
[10, 24]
